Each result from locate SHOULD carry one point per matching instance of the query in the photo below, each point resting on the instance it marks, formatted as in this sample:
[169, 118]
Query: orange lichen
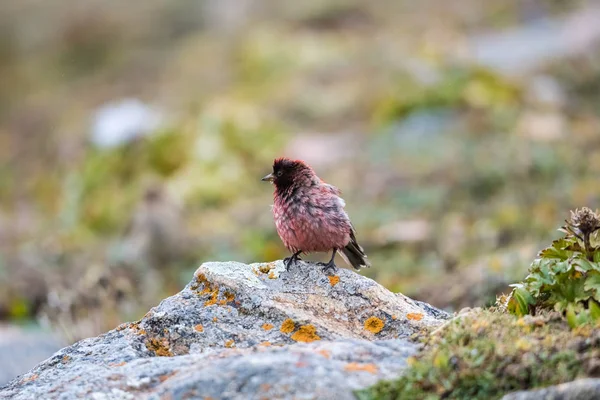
[160, 347]
[117, 364]
[66, 359]
[30, 378]
[333, 280]
[229, 297]
[414, 316]
[164, 377]
[287, 326]
[354, 366]
[272, 275]
[324, 353]
[394, 317]
[230, 343]
[215, 319]
[265, 386]
[306, 334]
[265, 344]
[214, 296]
[199, 328]
[374, 325]
[267, 327]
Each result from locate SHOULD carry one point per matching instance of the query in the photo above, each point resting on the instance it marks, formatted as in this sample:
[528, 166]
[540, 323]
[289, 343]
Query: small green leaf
[571, 316]
[592, 284]
[582, 265]
[594, 310]
[522, 300]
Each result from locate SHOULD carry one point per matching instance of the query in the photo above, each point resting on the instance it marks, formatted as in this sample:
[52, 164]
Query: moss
[306, 334]
[487, 354]
[267, 327]
[333, 280]
[159, 346]
[287, 326]
[374, 325]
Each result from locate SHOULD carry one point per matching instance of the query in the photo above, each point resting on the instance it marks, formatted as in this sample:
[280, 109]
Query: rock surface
[581, 389]
[244, 331]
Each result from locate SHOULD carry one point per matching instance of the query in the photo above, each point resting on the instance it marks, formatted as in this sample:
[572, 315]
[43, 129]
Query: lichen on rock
[297, 336]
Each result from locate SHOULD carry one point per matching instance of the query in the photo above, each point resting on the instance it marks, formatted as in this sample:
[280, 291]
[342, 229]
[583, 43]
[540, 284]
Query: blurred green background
[133, 136]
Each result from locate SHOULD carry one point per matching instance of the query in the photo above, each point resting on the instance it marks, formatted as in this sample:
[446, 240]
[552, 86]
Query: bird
[310, 217]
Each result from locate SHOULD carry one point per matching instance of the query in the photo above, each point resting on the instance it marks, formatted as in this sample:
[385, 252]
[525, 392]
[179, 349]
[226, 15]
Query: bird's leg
[289, 260]
[330, 265]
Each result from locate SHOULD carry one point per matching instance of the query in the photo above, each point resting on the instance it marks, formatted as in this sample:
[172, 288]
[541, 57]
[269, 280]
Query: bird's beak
[268, 178]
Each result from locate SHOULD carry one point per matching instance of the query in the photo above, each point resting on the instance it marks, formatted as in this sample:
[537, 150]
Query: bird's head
[287, 173]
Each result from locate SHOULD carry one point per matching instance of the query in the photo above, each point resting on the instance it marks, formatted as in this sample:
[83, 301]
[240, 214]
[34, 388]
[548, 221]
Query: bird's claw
[328, 267]
[288, 261]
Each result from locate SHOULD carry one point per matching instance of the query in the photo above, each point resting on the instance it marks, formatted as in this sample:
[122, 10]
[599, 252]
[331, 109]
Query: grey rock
[242, 331]
[581, 389]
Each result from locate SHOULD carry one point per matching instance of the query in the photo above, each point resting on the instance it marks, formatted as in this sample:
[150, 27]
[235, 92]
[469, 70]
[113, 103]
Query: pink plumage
[309, 215]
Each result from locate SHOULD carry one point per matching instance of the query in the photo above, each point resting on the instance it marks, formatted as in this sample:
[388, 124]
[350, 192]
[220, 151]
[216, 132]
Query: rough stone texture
[244, 331]
[582, 389]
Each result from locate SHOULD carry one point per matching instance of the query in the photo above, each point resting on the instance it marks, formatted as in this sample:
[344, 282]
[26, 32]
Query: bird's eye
[279, 173]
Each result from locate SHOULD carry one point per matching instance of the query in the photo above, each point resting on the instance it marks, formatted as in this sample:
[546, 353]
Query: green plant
[486, 354]
[566, 275]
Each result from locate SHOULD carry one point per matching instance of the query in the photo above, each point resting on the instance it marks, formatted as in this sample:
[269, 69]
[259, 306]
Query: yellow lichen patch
[287, 326]
[265, 268]
[230, 343]
[160, 347]
[265, 344]
[199, 328]
[324, 353]
[201, 278]
[374, 324]
[354, 366]
[272, 275]
[414, 316]
[394, 317]
[333, 280]
[267, 327]
[229, 297]
[214, 296]
[66, 359]
[306, 334]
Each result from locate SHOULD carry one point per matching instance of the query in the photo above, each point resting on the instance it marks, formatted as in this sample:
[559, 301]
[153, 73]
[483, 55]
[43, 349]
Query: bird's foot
[288, 261]
[329, 267]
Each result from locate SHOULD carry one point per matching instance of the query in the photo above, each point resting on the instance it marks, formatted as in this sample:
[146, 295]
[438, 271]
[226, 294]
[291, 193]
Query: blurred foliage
[566, 276]
[452, 171]
[486, 354]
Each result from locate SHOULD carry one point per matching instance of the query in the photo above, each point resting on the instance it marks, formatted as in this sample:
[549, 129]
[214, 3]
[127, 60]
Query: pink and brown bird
[309, 215]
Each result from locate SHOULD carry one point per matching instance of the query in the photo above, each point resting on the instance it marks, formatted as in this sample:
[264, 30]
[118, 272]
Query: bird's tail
[354, 254]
